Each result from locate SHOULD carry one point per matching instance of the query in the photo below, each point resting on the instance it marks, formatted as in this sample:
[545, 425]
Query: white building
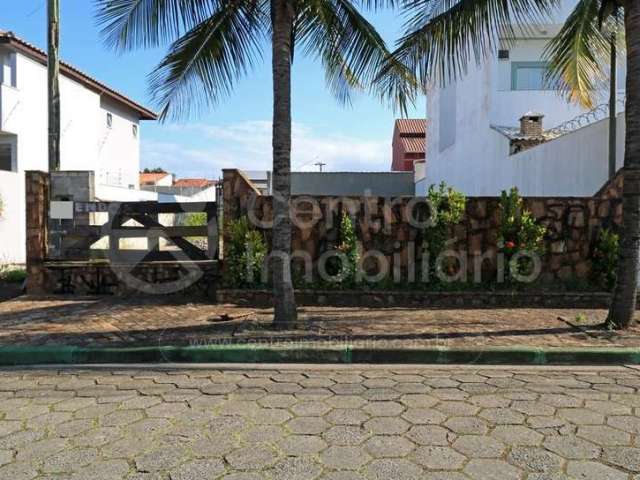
[100, 131]
[474, 126]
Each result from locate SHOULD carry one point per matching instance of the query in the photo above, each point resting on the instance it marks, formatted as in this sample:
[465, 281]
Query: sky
[237, 132]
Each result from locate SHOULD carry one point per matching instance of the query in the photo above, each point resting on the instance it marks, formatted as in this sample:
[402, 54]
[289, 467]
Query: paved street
[378, 423]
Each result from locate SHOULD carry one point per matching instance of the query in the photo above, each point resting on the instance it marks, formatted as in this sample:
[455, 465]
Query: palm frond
[352, 53]
[578, 55]
[203, 66]
[129, 24]
[610, 9]
[443, 36]
[376, 4]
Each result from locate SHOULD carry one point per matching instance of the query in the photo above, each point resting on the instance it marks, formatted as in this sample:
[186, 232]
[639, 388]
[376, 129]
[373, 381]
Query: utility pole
[320, 165]
[613, 125]
[53, 70]
[613, 98]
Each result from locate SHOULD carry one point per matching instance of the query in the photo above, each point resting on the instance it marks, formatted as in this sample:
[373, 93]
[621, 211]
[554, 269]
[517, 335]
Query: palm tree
[443, 36]
[215, 42]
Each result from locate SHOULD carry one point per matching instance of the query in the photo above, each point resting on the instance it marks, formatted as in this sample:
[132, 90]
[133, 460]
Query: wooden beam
[172, 207]
[97, 232]
[193, 252]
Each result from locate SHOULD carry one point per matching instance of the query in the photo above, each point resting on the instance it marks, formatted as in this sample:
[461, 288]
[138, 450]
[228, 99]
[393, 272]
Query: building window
[135, 131]
[6, 156]
[529, 76]
[109, 120]
[8, 69]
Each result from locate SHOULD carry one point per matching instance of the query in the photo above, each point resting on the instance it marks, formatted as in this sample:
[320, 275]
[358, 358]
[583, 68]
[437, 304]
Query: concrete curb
[71, 355]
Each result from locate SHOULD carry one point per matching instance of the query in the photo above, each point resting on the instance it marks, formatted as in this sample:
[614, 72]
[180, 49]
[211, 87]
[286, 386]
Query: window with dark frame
[6, 156]
[8, 69]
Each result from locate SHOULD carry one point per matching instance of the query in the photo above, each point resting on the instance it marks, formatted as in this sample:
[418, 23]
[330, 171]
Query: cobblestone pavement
[151, 321]
[305, 422]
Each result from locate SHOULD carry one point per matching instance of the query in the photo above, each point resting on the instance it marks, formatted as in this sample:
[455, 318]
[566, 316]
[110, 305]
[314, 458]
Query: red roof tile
[194, 182]
[413, 145]
[151, 178]
[411, 126]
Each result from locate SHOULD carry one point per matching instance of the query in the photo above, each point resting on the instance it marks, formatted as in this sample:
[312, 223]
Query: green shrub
[349, 247]
[519, 232]
[245, 255]
[605, 259]
[448, 206]
[12, 275]
[343, 273]
[195, 219]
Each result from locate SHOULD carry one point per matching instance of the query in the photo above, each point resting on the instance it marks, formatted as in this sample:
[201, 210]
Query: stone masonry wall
[37, 187]
[382, 225]
[78, 186]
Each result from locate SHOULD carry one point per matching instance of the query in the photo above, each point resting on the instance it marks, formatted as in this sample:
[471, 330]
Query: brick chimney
[531, 124]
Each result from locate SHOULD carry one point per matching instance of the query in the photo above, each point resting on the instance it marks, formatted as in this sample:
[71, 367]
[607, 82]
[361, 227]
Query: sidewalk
[117, 322]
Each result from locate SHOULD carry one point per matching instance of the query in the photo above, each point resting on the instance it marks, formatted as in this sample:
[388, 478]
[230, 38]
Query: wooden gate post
[37, 216]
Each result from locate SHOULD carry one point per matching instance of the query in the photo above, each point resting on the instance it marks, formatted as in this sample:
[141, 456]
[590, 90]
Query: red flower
[509, 244]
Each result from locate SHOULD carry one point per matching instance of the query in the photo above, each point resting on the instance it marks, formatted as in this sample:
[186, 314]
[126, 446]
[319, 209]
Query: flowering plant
[519, 233]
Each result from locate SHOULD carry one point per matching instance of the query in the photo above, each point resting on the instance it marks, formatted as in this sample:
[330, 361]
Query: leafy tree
[443, 37]
[215, 42]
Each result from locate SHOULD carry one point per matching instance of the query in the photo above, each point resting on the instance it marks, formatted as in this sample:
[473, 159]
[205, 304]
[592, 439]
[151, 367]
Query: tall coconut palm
[215, 42]
[443, 36]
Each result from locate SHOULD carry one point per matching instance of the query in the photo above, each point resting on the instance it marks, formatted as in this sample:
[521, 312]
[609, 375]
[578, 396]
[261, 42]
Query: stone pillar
[37, 208]
[237, 191]
[77, 186]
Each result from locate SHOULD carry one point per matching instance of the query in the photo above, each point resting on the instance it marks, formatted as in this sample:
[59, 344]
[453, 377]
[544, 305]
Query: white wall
[12, 219]
[575, 164]
[206, 195]
[464, 151]
[86, 142]
[109, 193]
[420, 178]
[118, 147]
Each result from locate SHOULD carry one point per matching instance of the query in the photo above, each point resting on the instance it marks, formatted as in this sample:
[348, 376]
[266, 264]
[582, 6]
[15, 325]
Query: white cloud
[247, 145]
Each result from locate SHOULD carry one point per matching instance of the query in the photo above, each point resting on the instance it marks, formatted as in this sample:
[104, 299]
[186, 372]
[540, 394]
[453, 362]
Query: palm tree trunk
[285, 313]
[623, 305]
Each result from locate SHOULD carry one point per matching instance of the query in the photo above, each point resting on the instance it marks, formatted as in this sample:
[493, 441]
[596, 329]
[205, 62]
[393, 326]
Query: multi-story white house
[100, 131]
[478, 144]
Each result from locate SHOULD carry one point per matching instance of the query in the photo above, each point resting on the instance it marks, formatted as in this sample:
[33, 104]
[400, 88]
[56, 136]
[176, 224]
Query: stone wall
[37, 187]
[77, 186]
[148, 278]
[52, 265]
[421, 299]
[383, 225]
